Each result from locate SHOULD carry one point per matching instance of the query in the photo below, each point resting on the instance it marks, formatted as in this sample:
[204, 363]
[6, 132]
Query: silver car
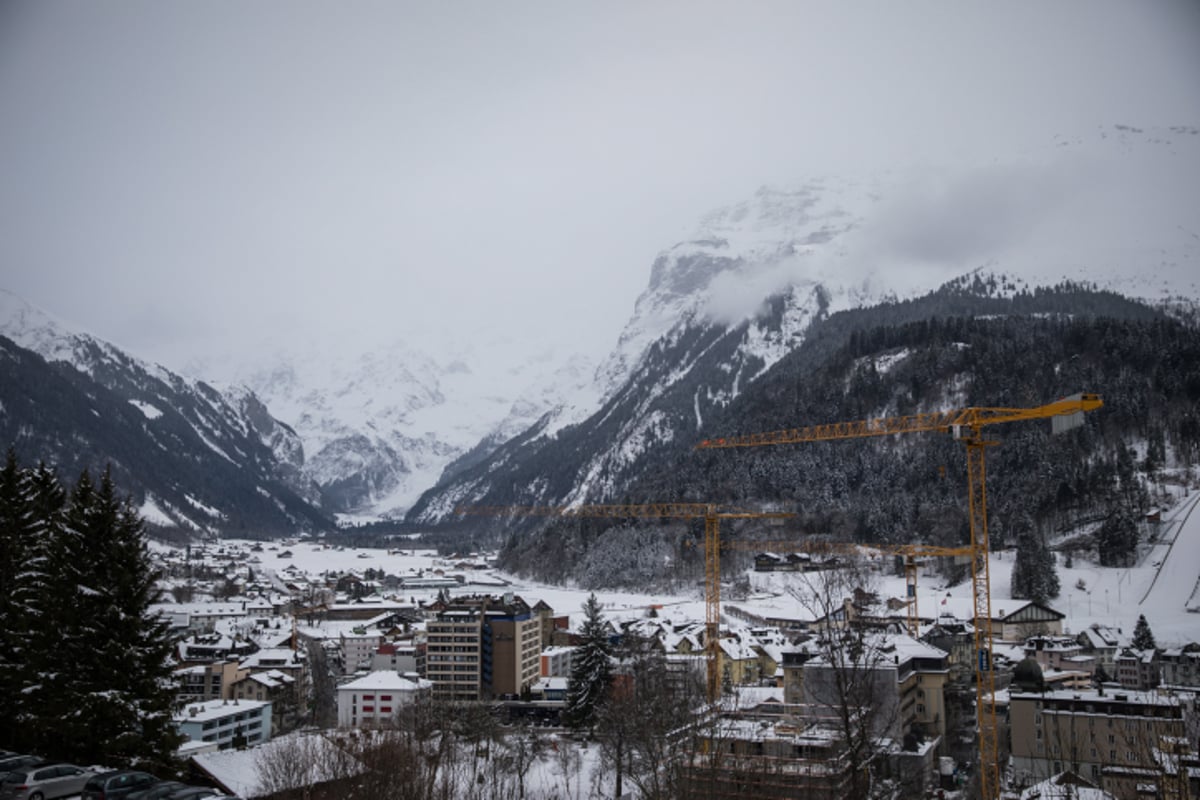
[44, 782]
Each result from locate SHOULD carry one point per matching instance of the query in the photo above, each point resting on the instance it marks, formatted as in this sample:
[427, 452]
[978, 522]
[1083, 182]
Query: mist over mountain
[723, 307]
[413, 429]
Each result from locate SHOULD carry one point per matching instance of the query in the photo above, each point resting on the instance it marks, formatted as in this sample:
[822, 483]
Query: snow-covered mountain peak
[34, 329]
[56, 340]
[1114, 209]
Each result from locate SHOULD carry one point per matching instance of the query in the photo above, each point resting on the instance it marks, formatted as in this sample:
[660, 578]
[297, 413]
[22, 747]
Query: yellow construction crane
[966, 425]
[709, 512]
[912, 553]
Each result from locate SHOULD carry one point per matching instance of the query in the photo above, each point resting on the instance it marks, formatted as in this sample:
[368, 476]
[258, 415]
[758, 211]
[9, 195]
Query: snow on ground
[1161, 585]
[151, 512]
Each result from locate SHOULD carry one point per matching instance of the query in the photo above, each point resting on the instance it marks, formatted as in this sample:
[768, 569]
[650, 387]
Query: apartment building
[480, 647]
[1115, 739]
[905, 691]
[453, 653]
[226, 723]
[209, 681]
[1137, 669]
[374, 700]
[358, 648]
[556, 662]
[1180, 666]
[514, 634]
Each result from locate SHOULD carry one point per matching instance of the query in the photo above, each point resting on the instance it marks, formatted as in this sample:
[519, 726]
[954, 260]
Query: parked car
[116, 784]
[19, 762]
[157, 791]
[44, 782]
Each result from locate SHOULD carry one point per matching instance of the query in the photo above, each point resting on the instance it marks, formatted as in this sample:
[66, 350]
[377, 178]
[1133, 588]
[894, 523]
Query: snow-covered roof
[551, 684]
[217, 709]
[274, 658]
[237, 771]
[385, 680]
[1065, 786]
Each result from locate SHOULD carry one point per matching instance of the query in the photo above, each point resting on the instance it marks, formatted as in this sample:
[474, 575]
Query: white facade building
[375, 699]
[220, 722]
[556, 662]
[358, 649]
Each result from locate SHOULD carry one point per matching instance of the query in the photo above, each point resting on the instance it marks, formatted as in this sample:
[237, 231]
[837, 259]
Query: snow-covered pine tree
[107, 693]
[1143, 637]
[1033, 574]
[591, 669]
[1117, 538]
[47, 501]
[18, 571]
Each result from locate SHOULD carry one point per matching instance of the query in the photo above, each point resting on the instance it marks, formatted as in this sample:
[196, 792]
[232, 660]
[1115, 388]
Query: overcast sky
[176, 175]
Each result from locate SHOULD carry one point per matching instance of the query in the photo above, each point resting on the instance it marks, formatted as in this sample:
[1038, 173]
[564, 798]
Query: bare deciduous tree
[849, 680]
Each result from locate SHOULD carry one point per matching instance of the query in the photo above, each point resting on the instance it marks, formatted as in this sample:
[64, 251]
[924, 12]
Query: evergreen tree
[1033, 574]
[1143, 637]
[47, 501]
[102, 661]
[1117, 538]
[591, 669]
[17, 592]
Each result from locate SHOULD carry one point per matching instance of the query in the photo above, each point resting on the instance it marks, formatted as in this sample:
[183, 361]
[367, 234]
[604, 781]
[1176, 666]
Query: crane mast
[712, 516]
[966, 424]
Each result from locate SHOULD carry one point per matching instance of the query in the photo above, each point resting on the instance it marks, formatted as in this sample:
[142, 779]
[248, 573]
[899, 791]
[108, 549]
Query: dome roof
[1027, 676]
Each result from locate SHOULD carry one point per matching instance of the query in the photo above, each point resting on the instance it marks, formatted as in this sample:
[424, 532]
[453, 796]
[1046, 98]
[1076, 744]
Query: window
[385, 709]
[367, 709]
[367, 697]
[385, 697]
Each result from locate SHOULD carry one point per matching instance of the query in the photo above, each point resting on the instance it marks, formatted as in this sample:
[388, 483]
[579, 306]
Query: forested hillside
[199, 460]
[962, 346]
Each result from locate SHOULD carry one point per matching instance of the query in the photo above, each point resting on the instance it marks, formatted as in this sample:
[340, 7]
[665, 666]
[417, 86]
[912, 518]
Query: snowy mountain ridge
[377, 428]
[1111, 211]
[381, 426]
[194, 458]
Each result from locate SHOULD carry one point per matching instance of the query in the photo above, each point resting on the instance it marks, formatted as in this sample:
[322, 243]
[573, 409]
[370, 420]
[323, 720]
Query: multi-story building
[514, 635]
[277, 687]
[1137, 669]
[1060, 652]
[226, 723]
[1180, 666]
[204, 682]
[358, 647]
[556, 662]
[906, 690]
[1101, 642]
[480, 647]
[400, 658]
[1115, 739]
[374, 700]
[453, 653]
